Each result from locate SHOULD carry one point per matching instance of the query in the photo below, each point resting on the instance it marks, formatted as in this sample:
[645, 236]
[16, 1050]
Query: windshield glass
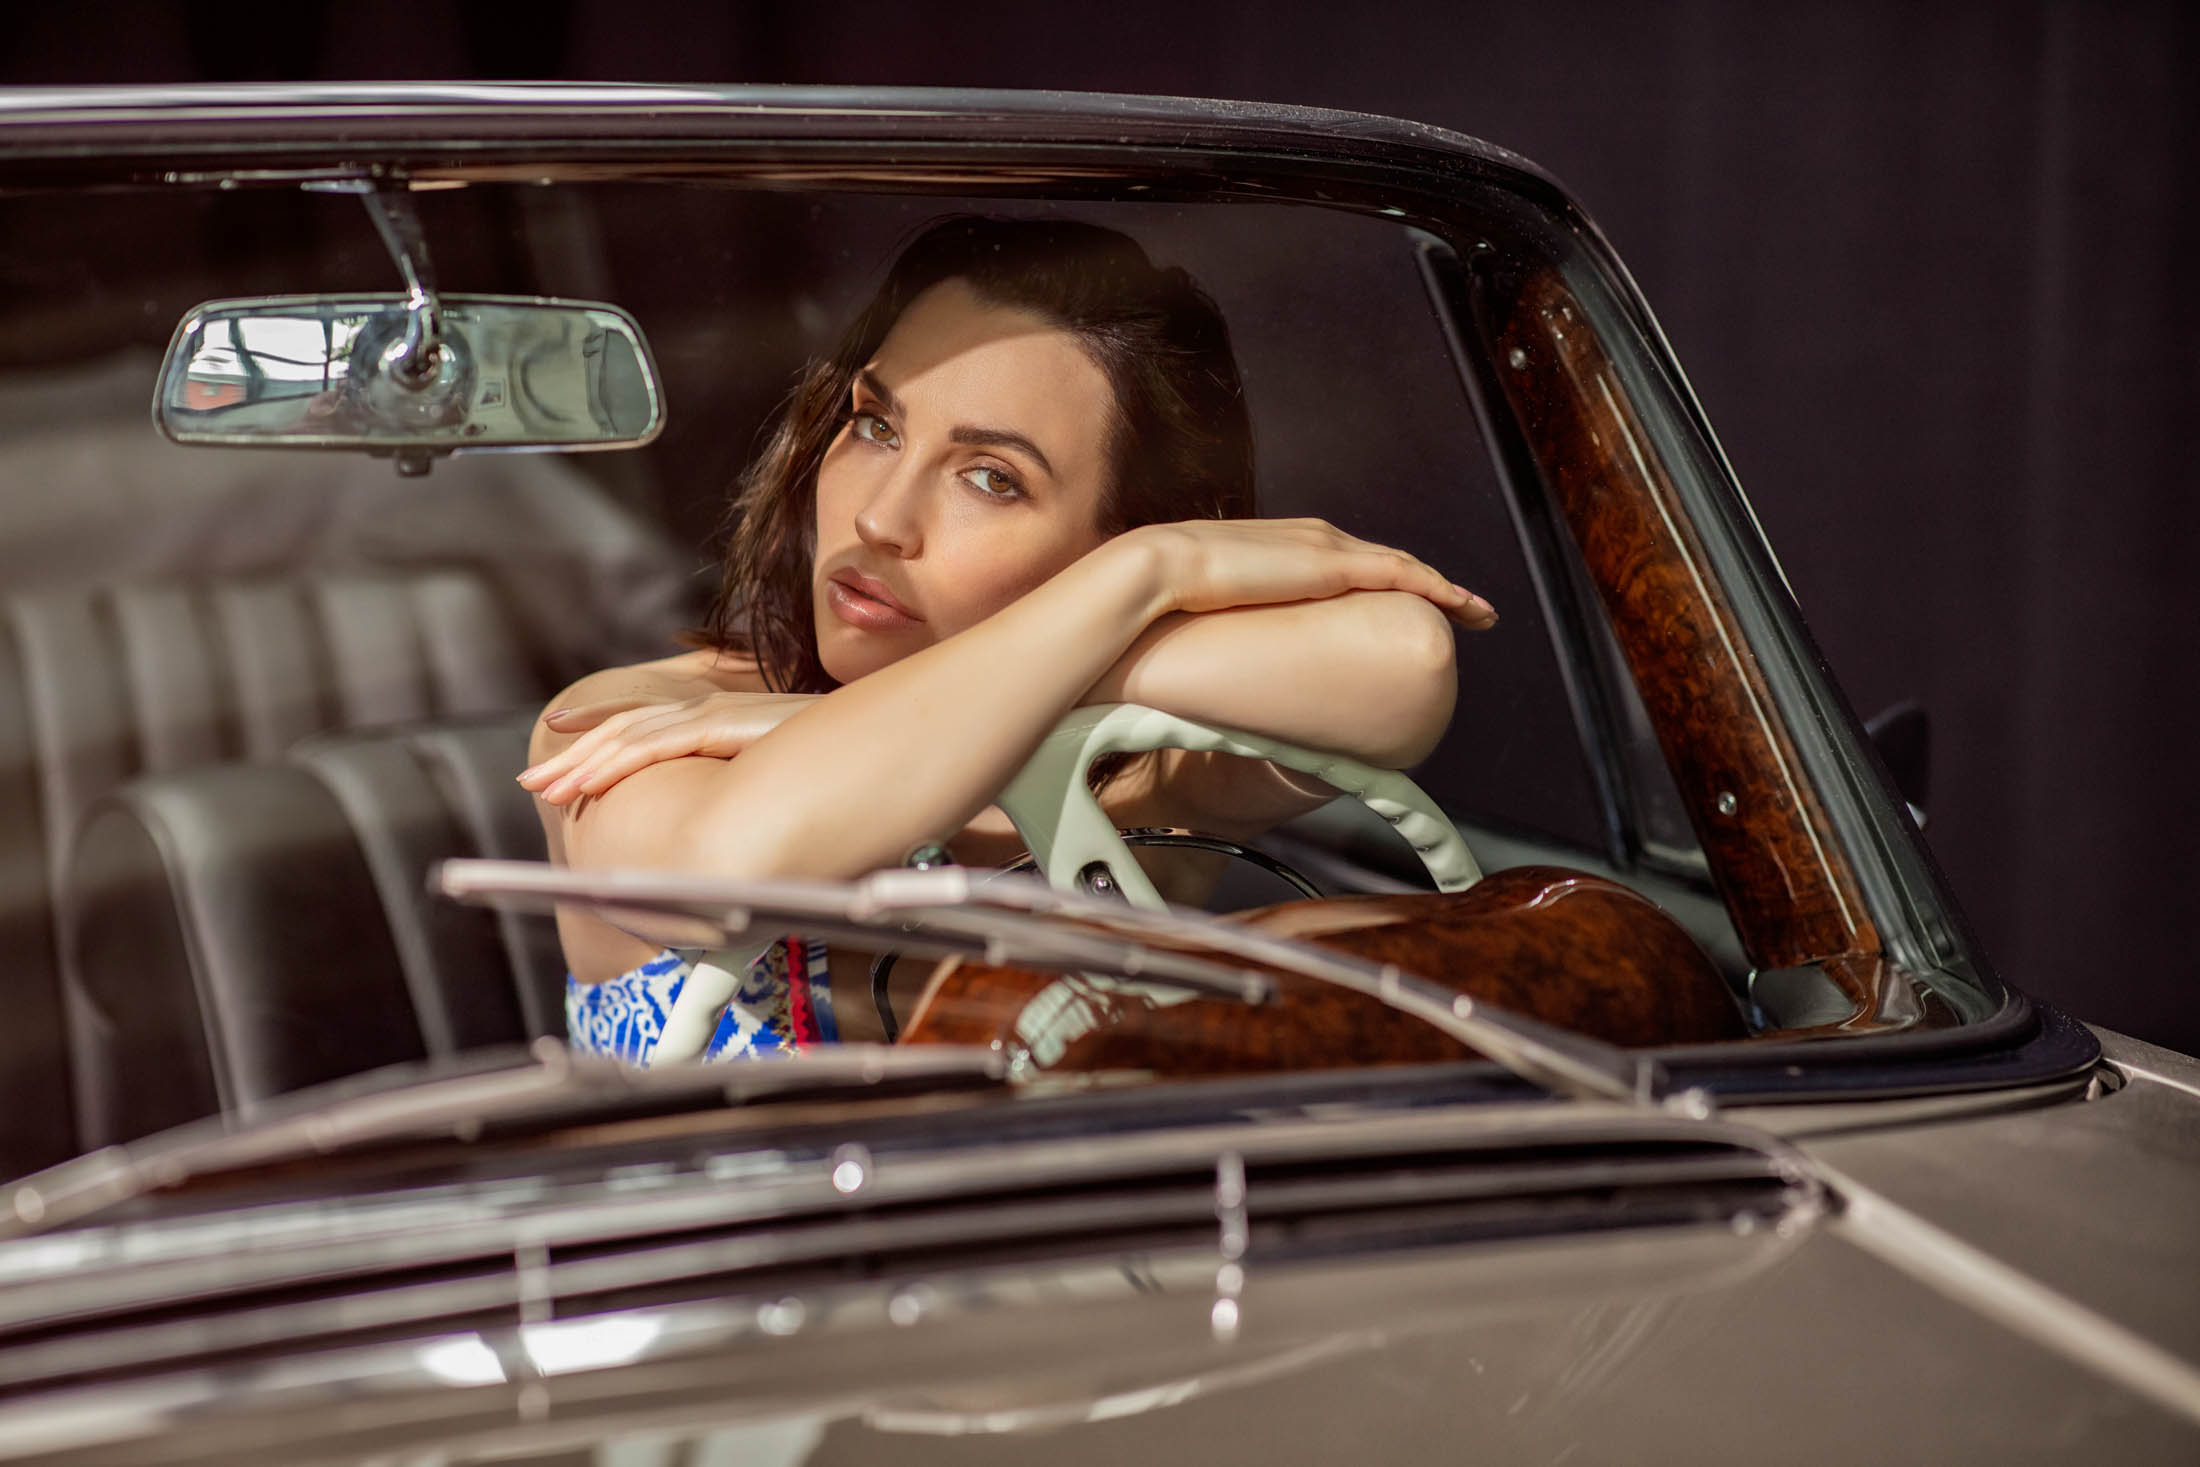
[935, 473]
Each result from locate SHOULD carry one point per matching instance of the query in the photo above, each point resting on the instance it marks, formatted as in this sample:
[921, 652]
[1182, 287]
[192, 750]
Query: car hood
[1957, 1301]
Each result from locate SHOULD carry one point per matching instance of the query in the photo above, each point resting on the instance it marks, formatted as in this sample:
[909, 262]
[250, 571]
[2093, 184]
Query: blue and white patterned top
[784, 1003]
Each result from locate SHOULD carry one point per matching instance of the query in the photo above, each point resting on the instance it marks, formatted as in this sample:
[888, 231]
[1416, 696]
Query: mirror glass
[502, 372]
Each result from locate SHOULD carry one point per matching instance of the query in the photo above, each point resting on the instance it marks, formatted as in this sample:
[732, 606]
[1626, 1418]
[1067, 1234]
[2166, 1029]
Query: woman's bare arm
[1369, 674]
[913, 751]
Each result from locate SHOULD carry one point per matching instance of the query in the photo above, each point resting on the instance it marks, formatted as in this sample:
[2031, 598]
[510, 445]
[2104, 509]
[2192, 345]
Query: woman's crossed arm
[1286, 628]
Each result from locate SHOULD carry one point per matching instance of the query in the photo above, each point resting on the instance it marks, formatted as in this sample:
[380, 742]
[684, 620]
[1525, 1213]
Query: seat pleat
[80, 717]
[226, 917]
[277, 668]
[473, 766]
[37, 1114]
[453, 961]
[379, 674]
[146, 1056]
[475, 663]
[179, 689]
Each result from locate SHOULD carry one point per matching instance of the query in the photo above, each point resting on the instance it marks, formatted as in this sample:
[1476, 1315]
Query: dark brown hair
[1180, 445]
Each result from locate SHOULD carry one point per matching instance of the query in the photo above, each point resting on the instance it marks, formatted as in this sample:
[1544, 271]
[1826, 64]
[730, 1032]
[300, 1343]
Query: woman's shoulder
[684, 674]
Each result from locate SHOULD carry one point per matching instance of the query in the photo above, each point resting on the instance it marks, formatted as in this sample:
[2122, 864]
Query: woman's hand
[623, 735]
[1213, 565]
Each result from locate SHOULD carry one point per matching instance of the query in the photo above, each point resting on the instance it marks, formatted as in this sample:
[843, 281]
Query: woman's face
[970, 470]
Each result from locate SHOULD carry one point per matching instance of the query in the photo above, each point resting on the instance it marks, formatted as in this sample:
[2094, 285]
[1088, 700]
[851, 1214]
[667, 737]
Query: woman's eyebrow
[881, 391]
[1002, 438]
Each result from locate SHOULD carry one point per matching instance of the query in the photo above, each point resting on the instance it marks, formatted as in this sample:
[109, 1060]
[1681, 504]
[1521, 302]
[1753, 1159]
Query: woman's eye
[874, 429]
[997, 482]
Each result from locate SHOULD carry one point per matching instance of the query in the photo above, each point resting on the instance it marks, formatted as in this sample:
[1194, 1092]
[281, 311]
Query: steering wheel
[1075, 843]
[1079, 849]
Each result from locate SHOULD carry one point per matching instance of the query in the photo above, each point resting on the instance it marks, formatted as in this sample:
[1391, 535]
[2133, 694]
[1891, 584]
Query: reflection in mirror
[507, 373]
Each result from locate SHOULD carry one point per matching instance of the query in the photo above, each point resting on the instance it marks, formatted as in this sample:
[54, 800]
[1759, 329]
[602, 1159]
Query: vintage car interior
[260, 682]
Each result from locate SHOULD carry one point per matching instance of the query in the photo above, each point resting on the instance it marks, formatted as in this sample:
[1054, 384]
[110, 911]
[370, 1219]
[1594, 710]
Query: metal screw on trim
[1695, 1102]
[910, 1305]
[851, 1169]
[1727, 803]
[1098, 880]
[783, 1317]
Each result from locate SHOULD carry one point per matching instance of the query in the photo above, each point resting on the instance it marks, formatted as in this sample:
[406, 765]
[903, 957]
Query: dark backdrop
[1924, 263]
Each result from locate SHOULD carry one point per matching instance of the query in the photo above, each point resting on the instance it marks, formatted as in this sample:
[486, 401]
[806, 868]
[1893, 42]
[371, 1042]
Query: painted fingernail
[556, 713]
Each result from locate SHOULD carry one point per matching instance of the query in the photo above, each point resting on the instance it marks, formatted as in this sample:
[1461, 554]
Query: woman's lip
[862, 602]
[874, 588]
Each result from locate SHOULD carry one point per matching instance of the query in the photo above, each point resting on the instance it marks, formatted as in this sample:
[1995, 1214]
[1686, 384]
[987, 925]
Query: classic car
[1622, 1083]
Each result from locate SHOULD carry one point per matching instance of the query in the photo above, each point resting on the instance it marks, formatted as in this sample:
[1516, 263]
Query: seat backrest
[238, 932]
[102, 685]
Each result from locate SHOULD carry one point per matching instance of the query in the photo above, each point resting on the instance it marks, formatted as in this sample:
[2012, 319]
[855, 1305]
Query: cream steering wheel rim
[1066, 831]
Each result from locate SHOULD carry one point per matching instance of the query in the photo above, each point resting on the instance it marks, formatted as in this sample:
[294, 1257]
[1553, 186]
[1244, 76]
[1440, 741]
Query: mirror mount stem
[389, 205]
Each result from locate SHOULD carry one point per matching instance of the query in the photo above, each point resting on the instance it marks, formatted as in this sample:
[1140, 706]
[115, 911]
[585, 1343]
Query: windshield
[1442, 653]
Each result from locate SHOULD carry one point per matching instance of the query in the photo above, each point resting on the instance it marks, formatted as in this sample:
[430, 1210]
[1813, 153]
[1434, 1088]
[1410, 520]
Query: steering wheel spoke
[1069, 835]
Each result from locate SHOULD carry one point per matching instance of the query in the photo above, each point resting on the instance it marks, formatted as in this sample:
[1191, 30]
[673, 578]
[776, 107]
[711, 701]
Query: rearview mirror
[352, 372]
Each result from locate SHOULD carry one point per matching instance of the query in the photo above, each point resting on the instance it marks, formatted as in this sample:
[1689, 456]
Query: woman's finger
[1346, 562]
[550, 771]
[561, 779]
[619, 761]
[1474, 612]
[584, 716]
[1455, 601]
[670, 740]
[651, 736]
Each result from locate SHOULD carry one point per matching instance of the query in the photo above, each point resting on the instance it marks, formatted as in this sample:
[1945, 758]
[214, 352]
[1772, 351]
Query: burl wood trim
[1562, 946]
[1791, 893]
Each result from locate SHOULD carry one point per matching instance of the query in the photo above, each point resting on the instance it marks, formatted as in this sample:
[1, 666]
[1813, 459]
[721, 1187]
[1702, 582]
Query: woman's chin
[847, 653]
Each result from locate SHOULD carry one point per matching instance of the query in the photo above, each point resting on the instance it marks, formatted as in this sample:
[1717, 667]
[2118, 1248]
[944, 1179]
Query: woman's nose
[892, 518]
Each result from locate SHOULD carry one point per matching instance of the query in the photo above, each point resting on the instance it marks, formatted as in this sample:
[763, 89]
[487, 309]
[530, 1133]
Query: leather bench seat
[100, 685]
[242, 931]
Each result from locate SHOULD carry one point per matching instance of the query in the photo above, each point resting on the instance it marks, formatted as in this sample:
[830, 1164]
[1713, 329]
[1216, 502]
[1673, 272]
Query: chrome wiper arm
[550, 1088]
[923, 913]
[953, 909]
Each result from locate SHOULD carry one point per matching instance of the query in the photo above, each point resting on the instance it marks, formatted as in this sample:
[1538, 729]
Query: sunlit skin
[970, 472]
[964, 598]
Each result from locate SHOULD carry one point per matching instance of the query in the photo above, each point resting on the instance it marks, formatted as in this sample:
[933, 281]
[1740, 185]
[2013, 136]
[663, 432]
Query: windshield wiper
[952, 909]
[460, 1100]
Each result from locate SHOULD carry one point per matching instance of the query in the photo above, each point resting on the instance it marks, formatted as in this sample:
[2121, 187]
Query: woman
[1022, 483]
